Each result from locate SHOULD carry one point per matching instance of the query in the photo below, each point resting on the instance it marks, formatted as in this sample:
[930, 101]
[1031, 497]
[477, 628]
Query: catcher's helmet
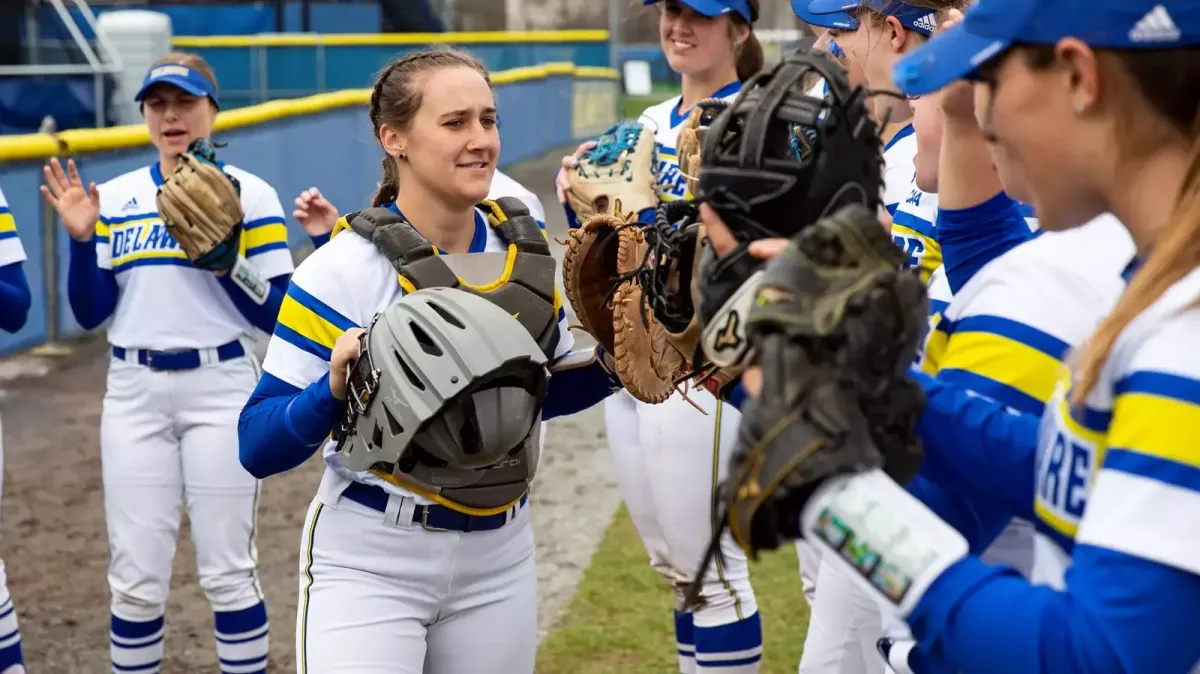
[780, 157]
[446, 379]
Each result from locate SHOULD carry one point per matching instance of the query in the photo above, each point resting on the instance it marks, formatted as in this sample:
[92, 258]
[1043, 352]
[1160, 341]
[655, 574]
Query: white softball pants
[10, 633]
[669, 459]
[169, 439]
[381, 594]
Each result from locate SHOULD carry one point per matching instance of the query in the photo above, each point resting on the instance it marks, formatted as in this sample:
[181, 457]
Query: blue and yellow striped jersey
[165, 302]
[11, 250]
[913, 230]
[1007, 332]
[1122, 471]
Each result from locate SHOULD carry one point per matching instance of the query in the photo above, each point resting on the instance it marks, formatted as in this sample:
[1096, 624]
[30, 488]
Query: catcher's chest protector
[521, 281]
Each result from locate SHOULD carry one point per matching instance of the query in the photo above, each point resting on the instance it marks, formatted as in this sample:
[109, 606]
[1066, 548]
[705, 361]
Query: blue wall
[292, 71]
[333, 150]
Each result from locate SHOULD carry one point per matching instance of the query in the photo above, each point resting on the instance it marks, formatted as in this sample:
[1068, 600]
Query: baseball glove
[691, 138]
[599, 276]
[618, 176]
[669, 290]
[201, 206]
[776, 160]
[835, 325]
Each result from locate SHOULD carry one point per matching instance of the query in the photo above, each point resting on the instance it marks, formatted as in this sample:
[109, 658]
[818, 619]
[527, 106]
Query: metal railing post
[50, 269]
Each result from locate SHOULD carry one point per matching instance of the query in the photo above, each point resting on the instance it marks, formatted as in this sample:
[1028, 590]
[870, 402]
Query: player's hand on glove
[201, 206]
[569, 162]
[314, 212]
[616, 177]
[77, 207]
[835, 325]
[346, 350]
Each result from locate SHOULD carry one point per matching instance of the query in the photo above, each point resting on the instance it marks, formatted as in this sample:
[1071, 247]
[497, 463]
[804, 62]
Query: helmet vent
[394, 426]
[446, 315]
[412, 376]
[377, 436]
[423, 338]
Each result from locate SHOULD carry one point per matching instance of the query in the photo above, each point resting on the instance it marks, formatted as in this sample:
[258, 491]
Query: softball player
[668, 492]
[867, 38]
[396, 578]
[180, 372]
[15, 300]
[1114, 451]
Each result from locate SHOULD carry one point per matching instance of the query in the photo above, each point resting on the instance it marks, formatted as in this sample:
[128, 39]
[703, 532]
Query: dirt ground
[55, 546]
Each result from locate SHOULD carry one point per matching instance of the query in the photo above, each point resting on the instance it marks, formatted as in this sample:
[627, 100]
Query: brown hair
[192, 61]
[1169, 80]
[750, 57]
[396, 97]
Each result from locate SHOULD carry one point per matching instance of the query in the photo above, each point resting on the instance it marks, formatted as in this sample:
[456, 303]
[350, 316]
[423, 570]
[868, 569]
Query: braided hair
[396, 97]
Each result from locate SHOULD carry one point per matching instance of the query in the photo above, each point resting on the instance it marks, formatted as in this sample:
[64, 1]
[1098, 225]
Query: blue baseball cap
[179, 75]
[990, 27]
[839, 19]
[716, 7]
[921, 19]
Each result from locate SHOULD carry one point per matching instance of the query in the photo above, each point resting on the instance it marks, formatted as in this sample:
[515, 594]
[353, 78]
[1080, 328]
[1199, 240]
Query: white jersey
[1119, 471]
[165, 302]
[913, 229]
[11, 250]
[1008, 330]
[899, 167]
[504, 186]
[666, 118]
[342, 285]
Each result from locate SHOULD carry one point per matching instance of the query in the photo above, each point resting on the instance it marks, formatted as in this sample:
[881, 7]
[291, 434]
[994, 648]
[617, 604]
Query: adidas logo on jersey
[130, 205]
[1156, 26]
[927, 22]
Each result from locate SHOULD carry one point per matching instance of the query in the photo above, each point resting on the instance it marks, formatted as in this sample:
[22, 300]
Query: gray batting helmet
[445, 378]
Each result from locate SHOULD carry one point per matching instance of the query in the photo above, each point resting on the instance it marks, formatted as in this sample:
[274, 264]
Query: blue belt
[432, 517]
[182, 359]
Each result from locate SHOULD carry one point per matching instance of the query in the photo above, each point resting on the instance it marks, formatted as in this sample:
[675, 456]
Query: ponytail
[389, 186]
[750, 58]
[1175, 254]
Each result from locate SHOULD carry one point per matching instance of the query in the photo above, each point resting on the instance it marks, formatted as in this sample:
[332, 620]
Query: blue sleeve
[15, 298]
[281, 426]
[572, 391]
[572, 219]
[91, 291]
[322, 239]
[982, 449]
[1118, 614]
[980, 522]
[972, 237]
[735, 395]
[261, 316]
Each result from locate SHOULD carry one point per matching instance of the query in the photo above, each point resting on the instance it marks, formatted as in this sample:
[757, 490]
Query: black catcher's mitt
[774, 162]
[836, 322]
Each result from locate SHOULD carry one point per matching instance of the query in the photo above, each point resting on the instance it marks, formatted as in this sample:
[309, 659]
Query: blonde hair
[1169, 80]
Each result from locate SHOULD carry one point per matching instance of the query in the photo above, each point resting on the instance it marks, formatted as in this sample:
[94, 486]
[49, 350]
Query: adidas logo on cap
[1156, 26]
[926, 22]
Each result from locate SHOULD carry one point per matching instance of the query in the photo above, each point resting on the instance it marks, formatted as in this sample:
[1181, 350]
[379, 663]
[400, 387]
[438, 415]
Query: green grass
[619, 620]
